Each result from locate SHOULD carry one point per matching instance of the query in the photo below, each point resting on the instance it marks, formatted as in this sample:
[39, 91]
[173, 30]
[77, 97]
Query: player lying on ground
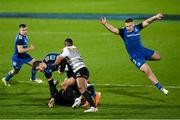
[68, 97]
[137, 52]
[47, 67]
[68, 83]
[21, 56]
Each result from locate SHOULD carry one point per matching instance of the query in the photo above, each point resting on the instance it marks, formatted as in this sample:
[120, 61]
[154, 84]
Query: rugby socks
[9, 76]
[94, 94]
[158, 85]
[33, 74]
[89, 98]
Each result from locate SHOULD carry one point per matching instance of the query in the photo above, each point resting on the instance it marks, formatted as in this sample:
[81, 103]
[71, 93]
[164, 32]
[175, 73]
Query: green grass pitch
[105, 56]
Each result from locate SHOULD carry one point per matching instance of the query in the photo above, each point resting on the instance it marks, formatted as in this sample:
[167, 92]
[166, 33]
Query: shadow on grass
[135, 93]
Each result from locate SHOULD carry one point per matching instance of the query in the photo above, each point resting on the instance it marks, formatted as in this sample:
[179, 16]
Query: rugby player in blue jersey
[137, 52]
[61, 97]
[21, 56]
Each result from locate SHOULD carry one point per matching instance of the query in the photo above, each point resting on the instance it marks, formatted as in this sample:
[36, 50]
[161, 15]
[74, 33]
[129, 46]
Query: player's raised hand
[103, 20]
[31, 47]
[159, 16]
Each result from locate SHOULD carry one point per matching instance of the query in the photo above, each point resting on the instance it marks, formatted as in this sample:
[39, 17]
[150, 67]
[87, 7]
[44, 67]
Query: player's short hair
[68, 42]
[22, 26]
[36, 64]
[128, 20]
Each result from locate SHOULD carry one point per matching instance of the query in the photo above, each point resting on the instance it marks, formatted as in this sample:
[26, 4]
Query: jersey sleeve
[48, 74]
[19, 40]
[121, 32]
[65, 53]
[140, 26]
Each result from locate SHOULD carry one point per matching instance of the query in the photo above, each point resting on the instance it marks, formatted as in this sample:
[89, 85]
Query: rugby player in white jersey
[81, 73]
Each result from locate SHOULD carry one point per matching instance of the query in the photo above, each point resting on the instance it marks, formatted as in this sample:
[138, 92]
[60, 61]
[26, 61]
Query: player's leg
[17, 64]
[155, 56]
[33, 72]
[10, 74]
[93, 93]
[30, 62]
[148, 72]
[68, 82]
[151, 55]
[82, 86]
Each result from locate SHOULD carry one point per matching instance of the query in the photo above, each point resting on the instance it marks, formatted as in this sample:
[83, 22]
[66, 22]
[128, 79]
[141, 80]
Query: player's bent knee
[14, 71]
[144, 69]
[159, 57]
[156, 56]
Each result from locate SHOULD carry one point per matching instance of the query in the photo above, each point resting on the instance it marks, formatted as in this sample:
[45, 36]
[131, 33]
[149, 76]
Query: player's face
[23, 31]
[129, 26]
[41, 67]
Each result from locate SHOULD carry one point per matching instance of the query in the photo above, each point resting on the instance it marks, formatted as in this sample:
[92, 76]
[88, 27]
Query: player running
[137, 53]
[21, 56]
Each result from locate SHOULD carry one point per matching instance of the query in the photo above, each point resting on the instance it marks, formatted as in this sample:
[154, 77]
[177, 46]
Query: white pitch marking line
[117, 85]
[125, 85]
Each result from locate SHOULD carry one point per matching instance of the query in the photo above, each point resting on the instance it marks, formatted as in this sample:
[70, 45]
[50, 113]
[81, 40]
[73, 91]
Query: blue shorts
[141, 58]
[18, 62]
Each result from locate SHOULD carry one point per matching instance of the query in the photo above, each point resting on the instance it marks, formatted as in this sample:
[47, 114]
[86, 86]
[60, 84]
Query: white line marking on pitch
[116, 85]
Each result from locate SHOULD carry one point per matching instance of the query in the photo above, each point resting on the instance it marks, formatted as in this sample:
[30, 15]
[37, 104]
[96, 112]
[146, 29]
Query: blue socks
[94, 94]
[158, 85]
[9, 76]
[33, 74]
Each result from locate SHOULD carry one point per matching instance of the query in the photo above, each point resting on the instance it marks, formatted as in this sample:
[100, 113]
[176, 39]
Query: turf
[108, 62]
[106, 58]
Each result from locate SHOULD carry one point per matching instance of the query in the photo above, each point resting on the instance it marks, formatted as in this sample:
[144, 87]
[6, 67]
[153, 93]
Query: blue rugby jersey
[50, 60]
[20, 40]
[132, 40]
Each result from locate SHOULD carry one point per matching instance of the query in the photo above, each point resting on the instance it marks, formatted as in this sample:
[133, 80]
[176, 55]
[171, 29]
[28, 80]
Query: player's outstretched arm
[152, 19]
[111, 28]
